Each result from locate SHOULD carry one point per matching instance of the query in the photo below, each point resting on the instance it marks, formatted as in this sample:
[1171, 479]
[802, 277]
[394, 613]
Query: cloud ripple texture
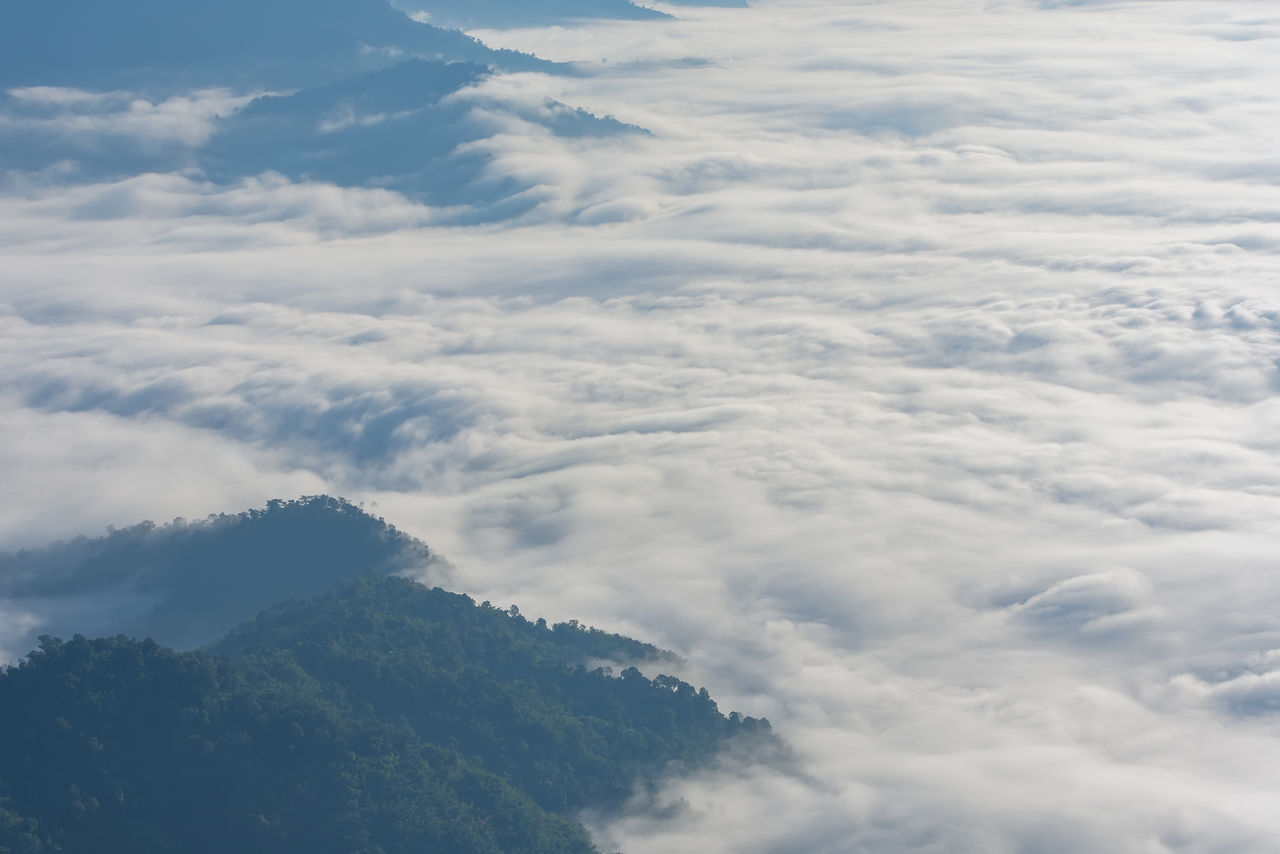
[914, 376]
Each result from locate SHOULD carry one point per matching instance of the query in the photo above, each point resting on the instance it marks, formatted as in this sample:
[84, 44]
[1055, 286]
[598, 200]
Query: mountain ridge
[265, 44]
[382, 717]
[186, 583]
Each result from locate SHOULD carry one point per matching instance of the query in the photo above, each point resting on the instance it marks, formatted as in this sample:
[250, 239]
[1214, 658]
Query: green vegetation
[384, 717]
[191, 581]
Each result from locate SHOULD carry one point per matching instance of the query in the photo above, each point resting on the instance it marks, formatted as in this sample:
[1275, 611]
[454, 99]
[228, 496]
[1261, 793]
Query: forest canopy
[381, 717]
[186, 583]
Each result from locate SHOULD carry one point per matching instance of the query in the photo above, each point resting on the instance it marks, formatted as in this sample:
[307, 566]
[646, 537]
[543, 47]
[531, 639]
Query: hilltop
[382, 717]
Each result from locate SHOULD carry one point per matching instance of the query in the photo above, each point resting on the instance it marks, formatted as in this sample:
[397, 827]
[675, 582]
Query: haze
[909, 368]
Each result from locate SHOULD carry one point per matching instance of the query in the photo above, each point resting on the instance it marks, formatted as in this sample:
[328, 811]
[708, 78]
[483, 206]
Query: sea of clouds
[915, 378]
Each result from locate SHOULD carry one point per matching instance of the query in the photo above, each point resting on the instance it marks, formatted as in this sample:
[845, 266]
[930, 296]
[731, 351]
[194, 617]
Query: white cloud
[915, 378]
[88, 120]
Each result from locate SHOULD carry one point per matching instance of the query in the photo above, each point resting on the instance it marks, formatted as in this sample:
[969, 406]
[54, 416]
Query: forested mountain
[187, 583]
[161, 45]
[384, 717]
[357, 94]
[395, 127]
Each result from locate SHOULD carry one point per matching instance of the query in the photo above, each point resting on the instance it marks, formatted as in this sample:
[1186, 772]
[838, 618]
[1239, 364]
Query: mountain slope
[119, 746]
[571, 736]
[186, 583]
[395, 128]
[265, 44]
[383, 717]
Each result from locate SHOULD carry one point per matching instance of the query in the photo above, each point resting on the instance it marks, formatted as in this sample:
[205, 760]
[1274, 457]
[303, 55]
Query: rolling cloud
[914, 376]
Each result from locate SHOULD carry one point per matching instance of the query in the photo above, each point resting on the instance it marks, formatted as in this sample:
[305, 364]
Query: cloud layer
[915, 377]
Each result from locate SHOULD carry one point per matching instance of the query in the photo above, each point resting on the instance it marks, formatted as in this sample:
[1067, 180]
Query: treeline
[384, 717]
[186, 583]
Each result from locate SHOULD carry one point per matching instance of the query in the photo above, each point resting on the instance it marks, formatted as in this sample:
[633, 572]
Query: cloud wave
[915, 377]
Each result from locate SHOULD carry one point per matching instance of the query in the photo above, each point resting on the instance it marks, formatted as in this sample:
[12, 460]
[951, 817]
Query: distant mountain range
[395, 128]
[533, 13]
[163, 46]
[382, 717]
[364, 95]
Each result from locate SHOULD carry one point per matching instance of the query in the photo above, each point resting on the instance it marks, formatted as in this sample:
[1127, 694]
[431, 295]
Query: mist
[912, 375]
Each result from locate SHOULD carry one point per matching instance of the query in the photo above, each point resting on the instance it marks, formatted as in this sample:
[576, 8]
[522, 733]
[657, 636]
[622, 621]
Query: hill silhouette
[160, 45]
[186, 583]
[395, 128]
[383, 717]
[361, 95]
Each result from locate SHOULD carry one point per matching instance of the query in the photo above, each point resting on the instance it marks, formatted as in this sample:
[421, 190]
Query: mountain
[468, 14]
[526, 13]
[186, 583]
[404, 127]
[383, 717]
[162, 45]
[352, 92]
[395, 128]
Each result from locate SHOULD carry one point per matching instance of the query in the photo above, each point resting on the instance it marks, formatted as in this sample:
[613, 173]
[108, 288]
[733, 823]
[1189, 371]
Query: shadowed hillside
[384, 717]
[163, 45]
[361, 95]
[186, 583]
[395, 128]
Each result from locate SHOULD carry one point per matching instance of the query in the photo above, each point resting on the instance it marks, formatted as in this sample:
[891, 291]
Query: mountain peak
[185, 583]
